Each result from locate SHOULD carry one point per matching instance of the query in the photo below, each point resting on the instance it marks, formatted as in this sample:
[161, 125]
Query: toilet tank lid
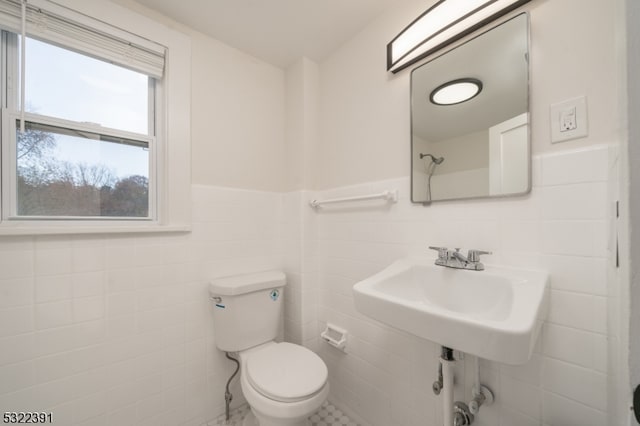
[247, 283]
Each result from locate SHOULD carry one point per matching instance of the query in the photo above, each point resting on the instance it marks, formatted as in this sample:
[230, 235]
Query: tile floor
[327, 415]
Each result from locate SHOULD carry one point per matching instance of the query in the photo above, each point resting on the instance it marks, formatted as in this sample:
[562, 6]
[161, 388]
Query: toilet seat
[286, 372]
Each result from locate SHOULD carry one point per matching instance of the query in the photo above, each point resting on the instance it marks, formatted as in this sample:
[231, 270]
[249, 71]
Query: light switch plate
[568, 120]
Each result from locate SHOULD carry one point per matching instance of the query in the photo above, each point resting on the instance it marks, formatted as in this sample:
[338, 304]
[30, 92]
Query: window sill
[33, 229]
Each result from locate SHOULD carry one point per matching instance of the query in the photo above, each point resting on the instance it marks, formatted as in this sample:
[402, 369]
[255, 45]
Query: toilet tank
[246, 309]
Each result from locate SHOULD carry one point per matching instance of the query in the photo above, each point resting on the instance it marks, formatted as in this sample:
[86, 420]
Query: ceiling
[276, 31]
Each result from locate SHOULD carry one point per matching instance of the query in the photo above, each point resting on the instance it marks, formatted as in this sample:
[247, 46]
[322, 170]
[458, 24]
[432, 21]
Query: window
[89, 132]
[101, 147]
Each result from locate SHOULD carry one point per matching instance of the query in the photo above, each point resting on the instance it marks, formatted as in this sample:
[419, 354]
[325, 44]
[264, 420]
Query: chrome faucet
[455, 259]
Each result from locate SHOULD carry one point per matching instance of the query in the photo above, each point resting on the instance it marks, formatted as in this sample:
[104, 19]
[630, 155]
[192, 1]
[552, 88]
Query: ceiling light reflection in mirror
[456, 91]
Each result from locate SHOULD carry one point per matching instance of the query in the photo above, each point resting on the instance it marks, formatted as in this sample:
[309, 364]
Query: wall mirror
[470, 118]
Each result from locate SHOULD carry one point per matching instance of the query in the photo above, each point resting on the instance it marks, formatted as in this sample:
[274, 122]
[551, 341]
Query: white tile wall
[562, 226]
[117, 330]
[301, 265]
[106, 330]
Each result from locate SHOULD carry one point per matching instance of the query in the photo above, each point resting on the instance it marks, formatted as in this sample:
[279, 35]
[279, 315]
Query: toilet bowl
[283, 383]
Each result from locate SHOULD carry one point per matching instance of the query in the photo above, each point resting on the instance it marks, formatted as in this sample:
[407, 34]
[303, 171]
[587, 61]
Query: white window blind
[58, 25]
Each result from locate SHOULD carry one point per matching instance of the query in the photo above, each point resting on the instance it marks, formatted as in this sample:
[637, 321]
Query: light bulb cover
[456, 91]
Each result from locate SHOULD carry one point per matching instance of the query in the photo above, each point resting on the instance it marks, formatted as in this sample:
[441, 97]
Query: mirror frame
[528, 101]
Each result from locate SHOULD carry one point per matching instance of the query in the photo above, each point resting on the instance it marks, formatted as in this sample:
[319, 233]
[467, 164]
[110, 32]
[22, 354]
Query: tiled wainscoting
[561, 226]
[117, 329]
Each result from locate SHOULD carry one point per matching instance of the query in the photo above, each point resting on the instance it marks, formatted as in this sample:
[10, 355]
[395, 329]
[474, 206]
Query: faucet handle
[442, 251]
[474, 255]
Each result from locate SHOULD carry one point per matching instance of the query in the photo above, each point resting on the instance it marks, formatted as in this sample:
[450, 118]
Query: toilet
[283, 383]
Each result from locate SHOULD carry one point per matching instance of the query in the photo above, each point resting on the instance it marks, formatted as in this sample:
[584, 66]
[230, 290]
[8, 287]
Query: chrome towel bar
[389, 196]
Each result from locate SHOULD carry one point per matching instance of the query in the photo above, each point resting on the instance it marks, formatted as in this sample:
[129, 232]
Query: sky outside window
[64, 84]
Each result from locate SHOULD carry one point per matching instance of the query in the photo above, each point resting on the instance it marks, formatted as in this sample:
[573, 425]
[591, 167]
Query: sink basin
[495, 314]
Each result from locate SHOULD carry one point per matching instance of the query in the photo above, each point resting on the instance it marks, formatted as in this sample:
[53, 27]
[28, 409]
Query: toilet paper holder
[335, 336]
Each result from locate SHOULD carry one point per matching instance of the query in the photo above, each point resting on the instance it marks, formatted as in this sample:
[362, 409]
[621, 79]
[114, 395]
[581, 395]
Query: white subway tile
[88, 308]
[149, 298]
[89, 333]
[122, 280]
[54, 367]
[601, 355]
[121, 396]
[580, 384]
[16, 292]
[62, 413]
[16, 320]
[16, 264]
[120, 326]
[563, 411]
[54, 340]
[587, 165]
[150, 255]
[22, 400]
[16, 243]
[89, 358]
[574, 202]
[14, 377]
[90, 406]
[529, 372]
[53, 314]
[520, 236]
[120, 256]
[16, 348]
[53, 261]
[569, 344]
[88, 258]
[53, 393]
[89, 284]
[120, 304]
[572, 310]
[51, 288]
[571, 238]
[125, 416]
[509, 417]
[600, 314]
[579, 274]
[520, 396]
[148, 407]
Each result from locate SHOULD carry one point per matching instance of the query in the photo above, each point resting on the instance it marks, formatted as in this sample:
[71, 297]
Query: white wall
[301, 139]
[364, 134]
[238, 118]
[238, 113]
[117, 329]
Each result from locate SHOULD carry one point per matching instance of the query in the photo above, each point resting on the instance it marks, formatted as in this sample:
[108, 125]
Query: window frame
[171, 157]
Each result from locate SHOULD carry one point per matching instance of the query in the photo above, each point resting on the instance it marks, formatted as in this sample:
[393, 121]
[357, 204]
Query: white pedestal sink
[495, 314]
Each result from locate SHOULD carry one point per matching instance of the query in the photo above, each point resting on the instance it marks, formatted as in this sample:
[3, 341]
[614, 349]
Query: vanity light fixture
[442, 24]
[456, 91]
